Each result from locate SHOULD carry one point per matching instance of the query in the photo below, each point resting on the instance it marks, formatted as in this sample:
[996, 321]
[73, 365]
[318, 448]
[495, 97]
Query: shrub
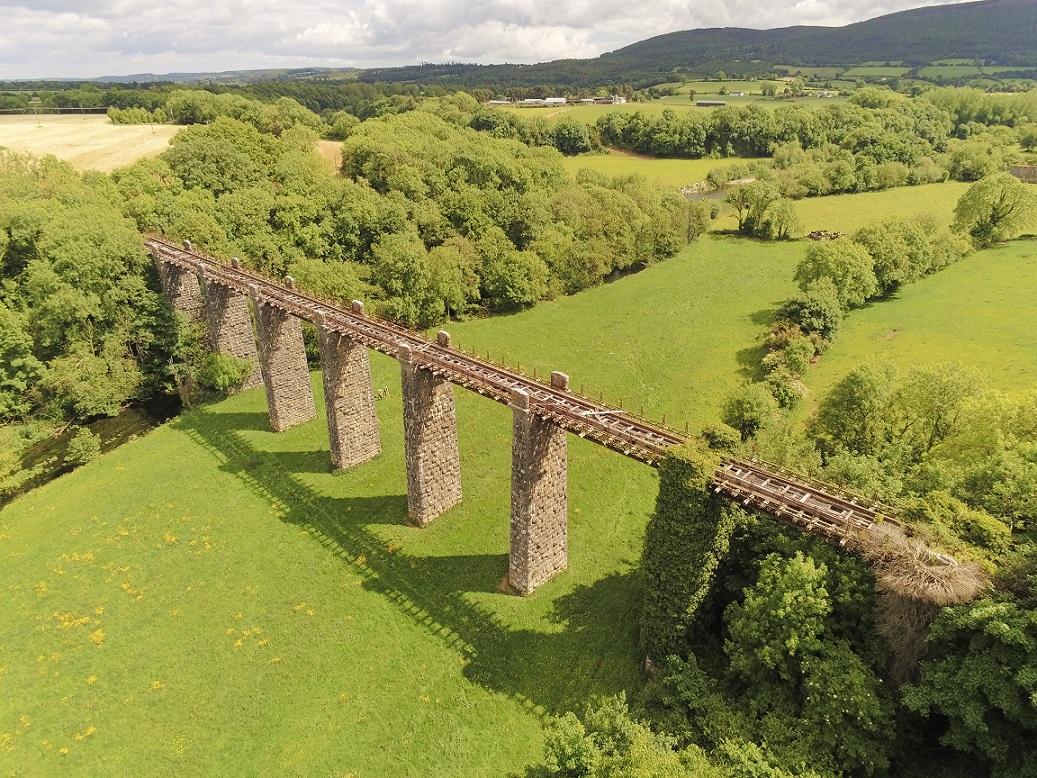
[785, 386]
[85, 446]
[721, 437]
[816, 310]
[749, 408]
[222, 373]
[794, 356]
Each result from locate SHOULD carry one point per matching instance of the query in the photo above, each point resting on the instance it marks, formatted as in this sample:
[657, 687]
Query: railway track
[817, 508]
[601, 423]
[811, 505]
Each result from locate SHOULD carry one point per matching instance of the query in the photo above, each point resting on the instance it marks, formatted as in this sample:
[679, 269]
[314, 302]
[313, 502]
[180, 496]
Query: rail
[816, 507]
[611, 427]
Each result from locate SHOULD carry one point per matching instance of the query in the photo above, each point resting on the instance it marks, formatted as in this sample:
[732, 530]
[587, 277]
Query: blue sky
[116, 37]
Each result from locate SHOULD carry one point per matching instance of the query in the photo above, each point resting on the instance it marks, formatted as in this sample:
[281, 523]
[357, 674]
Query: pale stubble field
[89, 142]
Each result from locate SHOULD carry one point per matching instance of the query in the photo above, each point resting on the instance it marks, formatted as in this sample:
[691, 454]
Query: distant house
[710, 103]
[738, 94]
[610, 100]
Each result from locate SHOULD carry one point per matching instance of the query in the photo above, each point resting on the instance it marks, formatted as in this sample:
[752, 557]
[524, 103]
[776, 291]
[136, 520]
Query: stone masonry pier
[539, 499]
[430, 442]
[183, 290]
[230, 327]
[282, 354]
[348, 396]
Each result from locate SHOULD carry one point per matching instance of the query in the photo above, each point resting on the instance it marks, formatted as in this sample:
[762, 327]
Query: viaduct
[218, 296]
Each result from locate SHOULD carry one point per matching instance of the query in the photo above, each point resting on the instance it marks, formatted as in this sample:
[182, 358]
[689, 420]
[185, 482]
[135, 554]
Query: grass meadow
[88, 142]
[674, 173]
[212, 594]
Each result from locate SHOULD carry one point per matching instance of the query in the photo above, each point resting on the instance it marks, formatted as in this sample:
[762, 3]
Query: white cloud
[108, 37]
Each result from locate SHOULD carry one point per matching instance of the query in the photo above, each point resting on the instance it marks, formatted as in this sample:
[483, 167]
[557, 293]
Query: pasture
[674, 173]
[87, 142]
[848, 212]
[978, 312]
[680, 102]
[212, 594]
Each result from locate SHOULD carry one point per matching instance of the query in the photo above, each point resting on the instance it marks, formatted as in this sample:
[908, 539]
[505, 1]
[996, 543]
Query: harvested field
[86, 142]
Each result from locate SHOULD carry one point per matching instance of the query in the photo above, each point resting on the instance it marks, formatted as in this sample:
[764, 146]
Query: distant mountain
[1000, 31]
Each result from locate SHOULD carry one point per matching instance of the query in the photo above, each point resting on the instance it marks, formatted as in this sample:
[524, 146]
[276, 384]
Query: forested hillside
[1003, 31]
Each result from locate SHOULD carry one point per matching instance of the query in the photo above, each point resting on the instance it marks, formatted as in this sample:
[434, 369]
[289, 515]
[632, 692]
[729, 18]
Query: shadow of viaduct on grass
[430, 590]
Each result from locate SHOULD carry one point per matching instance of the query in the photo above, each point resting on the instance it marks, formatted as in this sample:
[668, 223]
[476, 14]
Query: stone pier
[282, 355]
[348, 396]
[182, 288]
[539, 498]
[430, 439]
[230, 328]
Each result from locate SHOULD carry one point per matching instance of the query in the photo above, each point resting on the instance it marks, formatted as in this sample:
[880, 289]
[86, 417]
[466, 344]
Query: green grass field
[848, 212]
[978, 312]
[674, 173]
[875, 71]
[211, 594]
[591, 113]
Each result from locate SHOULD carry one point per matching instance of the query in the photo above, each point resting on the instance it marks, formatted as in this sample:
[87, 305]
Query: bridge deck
[810, 505]
[606, 425]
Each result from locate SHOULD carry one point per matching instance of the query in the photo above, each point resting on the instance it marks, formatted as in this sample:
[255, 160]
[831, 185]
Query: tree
[817, 310]
[751, 203]
[571, 136]
[19, 367]
[998, 208]
[900, 251]
[980, 682]
[855, 414]
[818, 702]
[846, 264]
[780, 621]
[609, 742]
[749, 408]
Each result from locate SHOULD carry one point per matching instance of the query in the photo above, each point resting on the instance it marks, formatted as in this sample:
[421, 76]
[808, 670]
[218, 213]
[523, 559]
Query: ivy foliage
[686, 538]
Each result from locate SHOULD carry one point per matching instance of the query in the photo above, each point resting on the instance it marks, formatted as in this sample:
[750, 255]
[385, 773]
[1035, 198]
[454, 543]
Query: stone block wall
[230, 328]
[1027, 173]
[282, 356]
[182, 288]
[348, 396]
[430, 440]
[539, 499]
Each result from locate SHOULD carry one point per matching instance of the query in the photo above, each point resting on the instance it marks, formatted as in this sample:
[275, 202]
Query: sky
[52, 38]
